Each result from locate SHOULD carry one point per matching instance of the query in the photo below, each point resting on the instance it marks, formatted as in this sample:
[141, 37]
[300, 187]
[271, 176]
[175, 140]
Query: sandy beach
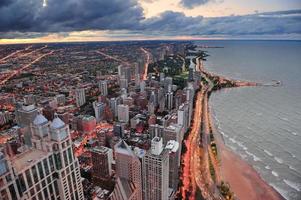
[244, 181]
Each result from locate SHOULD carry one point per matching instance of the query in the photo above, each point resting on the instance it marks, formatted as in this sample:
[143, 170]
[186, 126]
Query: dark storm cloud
[28, 18]
[175, 23]
[5, 3]
[69, 15]
[192, 3]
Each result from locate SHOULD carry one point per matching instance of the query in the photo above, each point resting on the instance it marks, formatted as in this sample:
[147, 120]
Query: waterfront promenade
[202, 169]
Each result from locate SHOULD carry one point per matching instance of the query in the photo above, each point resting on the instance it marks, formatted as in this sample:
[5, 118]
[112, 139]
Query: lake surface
[261, 124]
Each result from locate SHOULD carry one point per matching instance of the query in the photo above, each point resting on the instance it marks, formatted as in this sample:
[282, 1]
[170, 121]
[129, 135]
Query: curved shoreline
[245, 181]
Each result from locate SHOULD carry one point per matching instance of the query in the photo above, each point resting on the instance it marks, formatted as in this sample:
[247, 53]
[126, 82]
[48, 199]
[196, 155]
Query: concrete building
[102, 158]
[123, 113]
[61, 99]
[99, 109]
[26, 114]
[173, 149]
[169, 100]
[128, 170]
[49, 170]
[155, 172]
[80, 97]
[114, 102]
[103, 86]
[183, 116]
[124, 83]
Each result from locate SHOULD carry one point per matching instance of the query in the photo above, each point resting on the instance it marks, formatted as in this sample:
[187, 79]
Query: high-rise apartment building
[99, 109]
[123, 113]
[49, 170]
[103, 86]
[102, 158]
[80, 97]
[155, 172]
[128, 171]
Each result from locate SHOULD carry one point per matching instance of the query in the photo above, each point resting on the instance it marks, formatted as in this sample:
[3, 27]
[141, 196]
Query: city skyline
[41, 21]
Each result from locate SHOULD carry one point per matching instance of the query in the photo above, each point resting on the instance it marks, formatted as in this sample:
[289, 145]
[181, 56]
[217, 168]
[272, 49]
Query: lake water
[261, 124]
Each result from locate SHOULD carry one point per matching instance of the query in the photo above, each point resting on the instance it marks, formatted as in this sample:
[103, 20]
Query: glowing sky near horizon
[154, 14]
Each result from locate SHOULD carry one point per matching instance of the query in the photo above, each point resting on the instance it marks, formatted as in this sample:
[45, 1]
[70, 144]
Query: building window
[28, 177]
[65, 158]
[51, 163]
[40, 168]
[70, 155]
[56, 188]
[34, 174]
[46, 167]
[12, 191]
[58, 161]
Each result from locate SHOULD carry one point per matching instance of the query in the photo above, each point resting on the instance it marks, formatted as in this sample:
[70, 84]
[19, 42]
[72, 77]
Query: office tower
[102, 158]
[80, 97]
[183, 116]
[5, 117]
[155, 171]
[127, 73]
[153, 98]
[118, 129]
[123, 113]
[167, 83]
[128, 170]
[156, 130]
[61, 99]
[101, 137]
[169, 100]
[26, 114]
[142, 86]
[137, 80]
[49, 170]
[87, 124]
[114, 102]
[103, 86]
[98, 74]
[173, 149]
[29, 99]
[162, 77]
[151, 108]
[124, 83]
[191, 74]
[172, 132]
[120, 70]
[99, 109]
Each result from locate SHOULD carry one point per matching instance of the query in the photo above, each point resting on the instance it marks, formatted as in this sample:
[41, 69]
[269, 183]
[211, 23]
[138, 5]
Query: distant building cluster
[101, 133]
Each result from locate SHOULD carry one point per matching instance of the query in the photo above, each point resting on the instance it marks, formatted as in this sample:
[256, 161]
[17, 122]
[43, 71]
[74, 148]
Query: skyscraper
[169, 100]
[80, 97]
[123, 113]
[173, 149]
[99, 109]
[128, 170]
[183, 116]
[49, 170]
[103, 86]
[155, 170]
[102, 158]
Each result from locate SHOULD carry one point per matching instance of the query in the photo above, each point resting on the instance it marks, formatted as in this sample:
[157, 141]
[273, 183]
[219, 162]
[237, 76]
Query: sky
[29, 21]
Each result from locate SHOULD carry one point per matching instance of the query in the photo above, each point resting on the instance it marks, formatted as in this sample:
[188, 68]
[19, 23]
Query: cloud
[192, 3]
[69, 15]
[29, 19]
[176, 23]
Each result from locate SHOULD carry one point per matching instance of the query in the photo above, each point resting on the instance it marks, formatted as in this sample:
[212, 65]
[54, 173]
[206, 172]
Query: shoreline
[244, 180]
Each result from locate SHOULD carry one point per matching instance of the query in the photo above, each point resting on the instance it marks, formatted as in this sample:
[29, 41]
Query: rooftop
[27, 158]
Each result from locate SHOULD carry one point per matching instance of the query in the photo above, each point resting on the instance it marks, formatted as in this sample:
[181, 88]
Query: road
[113, 58]
[148, 60]
[14, 53]
[18, 71]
